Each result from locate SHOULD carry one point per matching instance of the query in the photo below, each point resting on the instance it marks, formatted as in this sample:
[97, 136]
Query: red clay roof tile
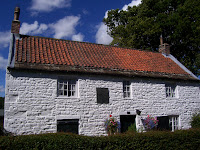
[39, 50]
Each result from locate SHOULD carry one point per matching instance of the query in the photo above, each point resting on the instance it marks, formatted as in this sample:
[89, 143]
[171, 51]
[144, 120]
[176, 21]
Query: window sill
[174, 98]
[66, 97]
[127, 98]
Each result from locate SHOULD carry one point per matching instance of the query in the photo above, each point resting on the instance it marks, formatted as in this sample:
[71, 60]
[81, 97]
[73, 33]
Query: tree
[178, 21]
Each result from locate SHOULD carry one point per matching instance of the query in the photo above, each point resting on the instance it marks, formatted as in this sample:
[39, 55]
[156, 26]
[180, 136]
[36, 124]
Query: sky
[75, 20]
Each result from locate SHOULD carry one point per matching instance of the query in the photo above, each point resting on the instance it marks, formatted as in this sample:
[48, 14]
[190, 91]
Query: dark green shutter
[102, 95]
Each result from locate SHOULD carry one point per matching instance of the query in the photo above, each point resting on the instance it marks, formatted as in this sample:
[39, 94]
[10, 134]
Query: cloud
[85, 12]
[102, 36]
[78, 37]
[5, 39]
[49, 5]
[2, 89]
[133, 3]
[3, 63]
[33, 29]
[65, 27]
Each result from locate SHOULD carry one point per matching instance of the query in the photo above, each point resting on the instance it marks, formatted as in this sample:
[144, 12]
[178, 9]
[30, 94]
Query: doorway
[126, 121]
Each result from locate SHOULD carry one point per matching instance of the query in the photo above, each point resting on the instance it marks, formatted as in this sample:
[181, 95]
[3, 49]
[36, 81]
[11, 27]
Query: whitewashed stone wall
[32, 105]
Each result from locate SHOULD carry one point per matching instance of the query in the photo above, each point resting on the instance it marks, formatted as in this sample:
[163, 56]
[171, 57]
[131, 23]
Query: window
[170, 90]
[126, 89]
[173, 123]
[168, 123]
[102, 95]
[67, 125]
[67, 88]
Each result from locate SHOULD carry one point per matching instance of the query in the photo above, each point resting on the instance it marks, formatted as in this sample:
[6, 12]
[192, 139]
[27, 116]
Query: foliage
[184, 140]
[1, 102]
[150, 122]
[112, 125]
[178, 21]
[132, 128]
[195, 123]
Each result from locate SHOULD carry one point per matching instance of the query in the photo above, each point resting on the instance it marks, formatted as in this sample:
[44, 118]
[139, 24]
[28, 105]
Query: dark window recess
[102, 95]
[163, 123]
[126, 121]
[67, 125]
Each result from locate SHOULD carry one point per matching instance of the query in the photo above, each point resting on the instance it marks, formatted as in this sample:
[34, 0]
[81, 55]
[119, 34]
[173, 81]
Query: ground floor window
[168, 123]
[173, 123]
[68, 125]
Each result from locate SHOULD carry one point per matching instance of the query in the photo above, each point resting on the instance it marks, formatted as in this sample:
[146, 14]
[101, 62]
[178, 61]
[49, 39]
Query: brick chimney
[164, 48]
[16, 23]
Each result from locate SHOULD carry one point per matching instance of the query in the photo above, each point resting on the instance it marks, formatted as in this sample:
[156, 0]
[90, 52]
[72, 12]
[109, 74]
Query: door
[126, 121]
[163, 123]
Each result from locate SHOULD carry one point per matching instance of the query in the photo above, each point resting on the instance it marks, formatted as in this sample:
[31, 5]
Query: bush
[132, 128]
[188, 139]
[195, 123]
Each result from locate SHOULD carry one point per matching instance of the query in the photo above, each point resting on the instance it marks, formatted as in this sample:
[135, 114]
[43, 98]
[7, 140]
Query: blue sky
[63, 19]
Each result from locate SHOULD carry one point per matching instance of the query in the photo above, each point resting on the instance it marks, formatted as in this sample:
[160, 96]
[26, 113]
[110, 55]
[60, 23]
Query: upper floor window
[126, 89]
[170, 90]
[102, 95]
[67, 87]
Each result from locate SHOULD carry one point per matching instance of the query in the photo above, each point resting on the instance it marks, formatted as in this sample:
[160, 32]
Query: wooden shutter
[102, 95]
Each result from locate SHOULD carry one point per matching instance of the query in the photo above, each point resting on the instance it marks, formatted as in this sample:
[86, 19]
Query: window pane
[65, 92]
[60, 92]
[60, 86]
[65, 86]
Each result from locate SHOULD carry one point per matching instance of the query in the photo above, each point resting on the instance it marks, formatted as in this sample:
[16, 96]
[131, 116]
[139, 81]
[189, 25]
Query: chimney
[16, 23]
[164, 48]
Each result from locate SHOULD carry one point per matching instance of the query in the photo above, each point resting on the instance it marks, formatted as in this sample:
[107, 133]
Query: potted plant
[150, 123]
[112, 126]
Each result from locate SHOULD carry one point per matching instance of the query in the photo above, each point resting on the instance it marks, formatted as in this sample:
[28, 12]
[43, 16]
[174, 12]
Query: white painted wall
[32, 105]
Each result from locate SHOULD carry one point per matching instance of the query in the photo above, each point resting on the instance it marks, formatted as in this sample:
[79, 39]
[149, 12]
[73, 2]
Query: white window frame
[67, 87]
[174, 123]
[126, 89]
[171, 90]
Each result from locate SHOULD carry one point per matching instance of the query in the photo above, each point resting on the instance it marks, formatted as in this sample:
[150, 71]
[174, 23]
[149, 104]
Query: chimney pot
[164, 49]
[16, 13]
[16, 23]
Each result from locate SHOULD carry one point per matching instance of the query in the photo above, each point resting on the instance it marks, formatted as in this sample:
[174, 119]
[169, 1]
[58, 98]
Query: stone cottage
[57, 85]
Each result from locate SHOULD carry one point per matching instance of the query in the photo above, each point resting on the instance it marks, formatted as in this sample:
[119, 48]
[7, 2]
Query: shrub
[132, 128]
[184, 140]
[195, 123]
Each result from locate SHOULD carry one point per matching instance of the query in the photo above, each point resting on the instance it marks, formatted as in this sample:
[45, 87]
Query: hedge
[185, 139]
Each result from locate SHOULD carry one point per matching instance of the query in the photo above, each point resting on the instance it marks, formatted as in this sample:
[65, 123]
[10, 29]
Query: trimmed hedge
[185, 139]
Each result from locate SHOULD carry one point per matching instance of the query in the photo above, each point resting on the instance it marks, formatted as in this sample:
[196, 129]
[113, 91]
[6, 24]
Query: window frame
[71, 85]
[174, 123]
[126, 92]
[171, 90]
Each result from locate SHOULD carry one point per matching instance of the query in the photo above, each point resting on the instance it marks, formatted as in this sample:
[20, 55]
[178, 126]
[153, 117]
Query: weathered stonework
[32, 105]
